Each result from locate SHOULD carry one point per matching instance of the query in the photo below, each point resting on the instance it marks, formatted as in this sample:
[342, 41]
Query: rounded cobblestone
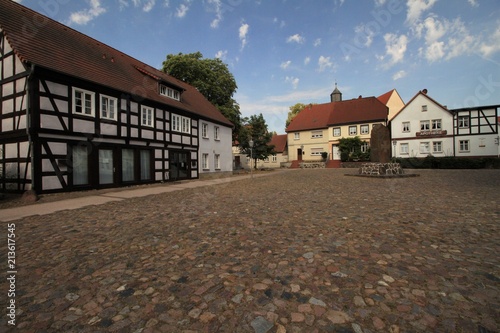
[294, 251]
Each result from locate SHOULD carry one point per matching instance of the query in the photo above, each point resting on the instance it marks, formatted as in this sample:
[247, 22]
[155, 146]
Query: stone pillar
[380, 144]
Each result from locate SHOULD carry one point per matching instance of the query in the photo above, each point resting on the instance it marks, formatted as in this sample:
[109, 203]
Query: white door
[335, 152]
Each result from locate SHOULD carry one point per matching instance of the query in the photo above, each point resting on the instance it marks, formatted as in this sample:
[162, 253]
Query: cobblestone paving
[300, 251]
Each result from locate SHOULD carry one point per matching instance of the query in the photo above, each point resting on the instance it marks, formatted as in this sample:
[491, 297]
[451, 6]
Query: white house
[476, 131]
[423, 127]
[215, 155]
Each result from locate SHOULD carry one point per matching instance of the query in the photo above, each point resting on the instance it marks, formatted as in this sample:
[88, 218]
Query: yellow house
[318, 128]
[393, 101]
[280, 158]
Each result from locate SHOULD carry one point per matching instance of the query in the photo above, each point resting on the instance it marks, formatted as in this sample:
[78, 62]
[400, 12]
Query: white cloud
[492, 45]
[293, 80]
[221, 54]
[416, 8]
[363, 32]
[395, 48]
[317, 42]
[379, 2]
[149, 5]
[282, 23]
[86, 15]
[217, 5]
[285, 64]
[473, 3]
[324, 63]
[399, 75]
[243, 32]
[434, 51]
[307, 60]
[182, 10]
[444, 39]
[295, 39]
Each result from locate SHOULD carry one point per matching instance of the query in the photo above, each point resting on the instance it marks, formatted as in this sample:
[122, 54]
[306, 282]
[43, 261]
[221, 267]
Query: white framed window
[424, 108]
[204, 130]
[424, 148]
[464, 145]
[205, 161]
[296, 136]
[274, 158]
[436, 124]
[437, 147]
[83, 102]
[147, 116]
[217, 161]
[216, 133]
[405, 127]
[316, 134]
[266, 160]
[186, 125]
[364, 147]
[169, 92]
[425, 125]
[109, 107]
[403, 149]
[336, 131]
[181, 124]
[353, 130]
[364, 129]
[316, 151]
[463, 122]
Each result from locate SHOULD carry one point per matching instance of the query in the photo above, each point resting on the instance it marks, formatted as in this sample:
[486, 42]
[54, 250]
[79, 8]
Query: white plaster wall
[210, 146]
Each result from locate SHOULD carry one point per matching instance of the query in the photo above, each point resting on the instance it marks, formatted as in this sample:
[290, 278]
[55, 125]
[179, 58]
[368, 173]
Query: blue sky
[282, 52]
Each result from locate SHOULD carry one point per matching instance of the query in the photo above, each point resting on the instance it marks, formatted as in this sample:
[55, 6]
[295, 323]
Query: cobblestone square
[293, 251]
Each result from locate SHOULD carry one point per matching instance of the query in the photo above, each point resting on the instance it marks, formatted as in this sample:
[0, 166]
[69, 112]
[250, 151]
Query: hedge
[431, 162]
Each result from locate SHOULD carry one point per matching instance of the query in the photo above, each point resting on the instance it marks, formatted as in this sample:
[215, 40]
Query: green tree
[255, 129]
[349, 148]
[294, 110]
[211, 77]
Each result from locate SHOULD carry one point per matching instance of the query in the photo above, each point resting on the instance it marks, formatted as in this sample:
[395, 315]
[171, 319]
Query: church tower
[336, 95]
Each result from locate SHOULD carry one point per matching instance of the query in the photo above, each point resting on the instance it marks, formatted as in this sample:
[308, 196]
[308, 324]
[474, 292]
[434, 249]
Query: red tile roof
[311, 117]
[354, 111]
[41, 41]
[385, 97]
[279, 142]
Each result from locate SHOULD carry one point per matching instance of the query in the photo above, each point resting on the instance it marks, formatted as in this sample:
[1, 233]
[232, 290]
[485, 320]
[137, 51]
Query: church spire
[336, 95]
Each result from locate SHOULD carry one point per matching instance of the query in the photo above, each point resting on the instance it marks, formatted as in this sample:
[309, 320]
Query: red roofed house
[393, 101]
[280, 158]
[77, 114]
[318, 127]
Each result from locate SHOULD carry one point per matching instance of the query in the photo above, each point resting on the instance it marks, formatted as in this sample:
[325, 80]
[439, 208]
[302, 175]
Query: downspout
[455, 129]
[29, 129]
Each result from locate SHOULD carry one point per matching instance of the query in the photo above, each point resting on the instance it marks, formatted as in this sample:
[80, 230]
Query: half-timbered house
[78, 114]
[475, 131]
[425, 127]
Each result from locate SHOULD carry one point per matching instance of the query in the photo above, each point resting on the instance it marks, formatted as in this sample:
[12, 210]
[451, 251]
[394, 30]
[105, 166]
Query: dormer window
[169, 92]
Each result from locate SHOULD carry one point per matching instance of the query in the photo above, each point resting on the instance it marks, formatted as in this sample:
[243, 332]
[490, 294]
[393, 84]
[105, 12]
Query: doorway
[179, 165]
[299, 154]
[335, 152]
